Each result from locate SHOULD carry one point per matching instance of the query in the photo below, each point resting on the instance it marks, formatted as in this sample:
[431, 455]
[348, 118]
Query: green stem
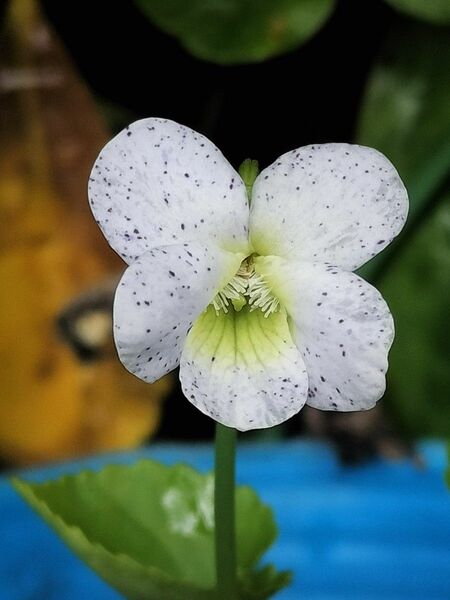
[224, 509]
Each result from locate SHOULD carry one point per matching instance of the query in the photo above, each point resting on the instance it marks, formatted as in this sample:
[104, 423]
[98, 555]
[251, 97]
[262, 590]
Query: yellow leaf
[52, 404]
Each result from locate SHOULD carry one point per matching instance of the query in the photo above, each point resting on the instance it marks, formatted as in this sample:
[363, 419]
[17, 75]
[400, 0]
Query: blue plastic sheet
[379, 531]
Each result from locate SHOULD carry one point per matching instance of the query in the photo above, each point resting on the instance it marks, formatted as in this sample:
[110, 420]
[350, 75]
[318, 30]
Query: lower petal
[243, 369]
[159, 297]
[341, 325]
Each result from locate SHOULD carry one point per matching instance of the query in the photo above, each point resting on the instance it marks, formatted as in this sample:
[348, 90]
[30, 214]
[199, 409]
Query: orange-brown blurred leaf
[52, 404]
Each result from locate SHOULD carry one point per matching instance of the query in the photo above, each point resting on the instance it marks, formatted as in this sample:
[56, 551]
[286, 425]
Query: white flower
[257, 304]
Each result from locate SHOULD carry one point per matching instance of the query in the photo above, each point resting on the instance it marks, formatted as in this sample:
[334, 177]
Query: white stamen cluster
[260, 295]
[234, 290]
[247, 286]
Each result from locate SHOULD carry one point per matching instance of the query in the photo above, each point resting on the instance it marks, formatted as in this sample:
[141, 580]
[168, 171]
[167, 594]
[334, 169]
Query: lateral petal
[342, 327]
[159, 297]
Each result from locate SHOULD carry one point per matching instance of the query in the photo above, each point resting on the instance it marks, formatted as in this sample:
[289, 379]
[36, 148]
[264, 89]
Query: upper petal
[336, 203]
[243, 369]
[160, 183]
[159, 297]
[341, 325]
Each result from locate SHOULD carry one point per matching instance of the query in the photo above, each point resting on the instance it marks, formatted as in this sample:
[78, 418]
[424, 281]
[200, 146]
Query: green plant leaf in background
[148, 530]
[238, 31]
[434, 11]
[406, 116]
[417, 287]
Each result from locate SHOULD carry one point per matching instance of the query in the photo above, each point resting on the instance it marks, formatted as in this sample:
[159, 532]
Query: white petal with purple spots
[159, 183]
[341, 325]
[243, 369]
[159, 297]
[336, 203]
[255, 338]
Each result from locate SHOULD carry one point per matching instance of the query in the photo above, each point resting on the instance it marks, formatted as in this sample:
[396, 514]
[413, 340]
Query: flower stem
[224, 509]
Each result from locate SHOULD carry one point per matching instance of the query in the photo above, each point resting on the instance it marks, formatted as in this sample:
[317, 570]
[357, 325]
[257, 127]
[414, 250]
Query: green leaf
[264, 583]
[148, 529]
[417, 287]
[434, 11]
[238, 31]
[405, 116]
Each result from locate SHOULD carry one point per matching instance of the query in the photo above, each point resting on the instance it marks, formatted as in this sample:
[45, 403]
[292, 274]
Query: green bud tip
[249, 170]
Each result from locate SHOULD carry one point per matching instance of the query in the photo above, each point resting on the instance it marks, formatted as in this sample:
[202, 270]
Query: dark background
[310, 95]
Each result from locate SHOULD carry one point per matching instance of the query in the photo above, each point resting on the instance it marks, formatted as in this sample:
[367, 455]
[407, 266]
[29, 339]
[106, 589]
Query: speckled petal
[243, 369]
[159, 297]
[341, 325]
[334, 203]
[160, 183]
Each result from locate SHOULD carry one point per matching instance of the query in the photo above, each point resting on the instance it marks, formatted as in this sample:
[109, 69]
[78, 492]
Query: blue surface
[381, 531]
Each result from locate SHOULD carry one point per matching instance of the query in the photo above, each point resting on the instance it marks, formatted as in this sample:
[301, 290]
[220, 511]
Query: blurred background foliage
[406, 114]
[61, 391]
[257, 77]
[244, 31]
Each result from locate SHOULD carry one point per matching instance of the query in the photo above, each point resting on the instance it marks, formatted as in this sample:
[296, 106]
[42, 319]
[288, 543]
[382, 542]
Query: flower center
[247, 287]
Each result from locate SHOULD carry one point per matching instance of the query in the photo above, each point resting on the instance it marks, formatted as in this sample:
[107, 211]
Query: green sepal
[148, 530]
[249, 170]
